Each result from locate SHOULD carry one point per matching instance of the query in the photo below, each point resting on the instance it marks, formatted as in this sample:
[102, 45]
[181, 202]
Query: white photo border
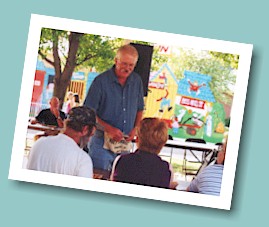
[38, 22]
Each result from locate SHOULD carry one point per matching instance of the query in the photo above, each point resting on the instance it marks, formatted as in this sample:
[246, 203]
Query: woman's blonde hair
[152, 135]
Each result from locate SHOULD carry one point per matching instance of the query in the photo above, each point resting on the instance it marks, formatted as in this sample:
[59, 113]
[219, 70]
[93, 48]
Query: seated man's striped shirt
[208, 181]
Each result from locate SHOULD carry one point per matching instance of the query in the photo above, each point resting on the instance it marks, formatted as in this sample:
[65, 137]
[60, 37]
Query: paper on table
[182, 185]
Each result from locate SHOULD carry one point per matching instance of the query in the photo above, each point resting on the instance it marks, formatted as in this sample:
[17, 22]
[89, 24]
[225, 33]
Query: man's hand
[131, 135]
[33, 121]
[115, 134]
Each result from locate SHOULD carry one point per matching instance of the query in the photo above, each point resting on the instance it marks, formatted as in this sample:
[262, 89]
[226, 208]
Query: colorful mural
[188, 105]
[162, 92]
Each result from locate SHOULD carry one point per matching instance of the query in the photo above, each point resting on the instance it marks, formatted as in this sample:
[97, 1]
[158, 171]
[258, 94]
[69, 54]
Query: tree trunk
[63, 77]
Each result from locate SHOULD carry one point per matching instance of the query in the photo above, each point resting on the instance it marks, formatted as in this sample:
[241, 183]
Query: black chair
[188, 171]
[209, 158]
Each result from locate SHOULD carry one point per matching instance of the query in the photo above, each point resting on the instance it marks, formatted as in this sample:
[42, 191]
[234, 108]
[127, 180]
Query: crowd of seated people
[142, 167]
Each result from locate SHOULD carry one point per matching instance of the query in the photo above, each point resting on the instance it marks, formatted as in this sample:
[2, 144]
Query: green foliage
[48, 36]
[93, 51]
[97, 51]
[227, 60]
[158, 60]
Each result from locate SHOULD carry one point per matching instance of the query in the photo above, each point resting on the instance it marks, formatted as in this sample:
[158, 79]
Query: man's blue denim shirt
[114, 104]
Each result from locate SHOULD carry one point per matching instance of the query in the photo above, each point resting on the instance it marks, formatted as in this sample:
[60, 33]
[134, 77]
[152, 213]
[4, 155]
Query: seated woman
[144, 166]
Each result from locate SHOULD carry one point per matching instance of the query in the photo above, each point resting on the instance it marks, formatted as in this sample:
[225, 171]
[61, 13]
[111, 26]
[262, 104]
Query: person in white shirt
[63, 154]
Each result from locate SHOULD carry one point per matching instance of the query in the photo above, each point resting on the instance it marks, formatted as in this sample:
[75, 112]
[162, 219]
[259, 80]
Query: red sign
[38, 85]
[186, 101]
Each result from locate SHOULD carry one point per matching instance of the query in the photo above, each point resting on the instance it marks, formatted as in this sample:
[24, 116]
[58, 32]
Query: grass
[177, 165]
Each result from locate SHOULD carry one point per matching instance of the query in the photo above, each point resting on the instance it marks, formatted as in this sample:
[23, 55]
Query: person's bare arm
[60, 122]
[113, 132]
[57, 114]
[138, 118]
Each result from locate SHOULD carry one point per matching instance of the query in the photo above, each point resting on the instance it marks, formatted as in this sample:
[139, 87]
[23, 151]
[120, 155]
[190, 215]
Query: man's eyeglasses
[125, 64]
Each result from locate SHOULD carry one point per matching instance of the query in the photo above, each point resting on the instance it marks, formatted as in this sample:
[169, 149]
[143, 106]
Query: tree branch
[43, 56]
[57, 60]
[90, 56]
[73, 47]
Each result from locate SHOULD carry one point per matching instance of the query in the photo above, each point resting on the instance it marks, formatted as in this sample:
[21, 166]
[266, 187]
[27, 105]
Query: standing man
[117, 97]
[63, 153]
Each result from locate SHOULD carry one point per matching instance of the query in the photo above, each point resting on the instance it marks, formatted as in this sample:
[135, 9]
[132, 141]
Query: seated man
[52, 116]
[144, 166]
[63, 153]
[208, 181]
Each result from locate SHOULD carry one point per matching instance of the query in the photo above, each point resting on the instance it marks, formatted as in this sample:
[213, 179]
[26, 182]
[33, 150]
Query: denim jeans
[101, 158]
